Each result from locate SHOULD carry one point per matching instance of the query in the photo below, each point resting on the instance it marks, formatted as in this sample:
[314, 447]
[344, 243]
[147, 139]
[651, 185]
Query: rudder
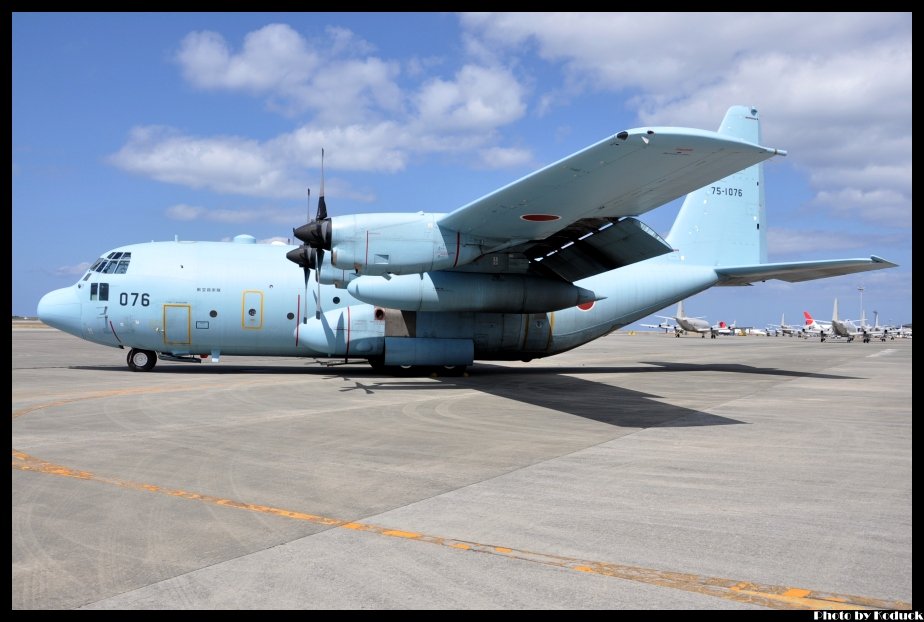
[723, 224]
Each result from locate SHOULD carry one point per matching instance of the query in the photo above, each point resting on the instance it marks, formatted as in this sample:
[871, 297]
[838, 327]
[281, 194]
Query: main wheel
[141, 360]
[450, 370]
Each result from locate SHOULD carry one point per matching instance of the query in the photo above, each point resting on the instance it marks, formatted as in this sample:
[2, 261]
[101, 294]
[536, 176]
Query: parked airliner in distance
[783, 328]
[540, 266]
[685, 324]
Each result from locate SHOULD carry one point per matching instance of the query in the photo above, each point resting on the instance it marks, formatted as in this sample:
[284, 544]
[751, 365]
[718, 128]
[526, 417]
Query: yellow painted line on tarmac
[772, 596]
[25, 462]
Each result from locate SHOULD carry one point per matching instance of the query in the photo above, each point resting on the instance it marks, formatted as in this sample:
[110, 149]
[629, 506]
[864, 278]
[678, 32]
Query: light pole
[860, 289]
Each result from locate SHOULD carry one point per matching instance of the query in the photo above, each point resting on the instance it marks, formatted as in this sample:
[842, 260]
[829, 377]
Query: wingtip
[878, 259]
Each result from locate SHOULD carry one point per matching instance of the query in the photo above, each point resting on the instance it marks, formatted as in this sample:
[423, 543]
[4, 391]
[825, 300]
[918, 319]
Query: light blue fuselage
[202, 298]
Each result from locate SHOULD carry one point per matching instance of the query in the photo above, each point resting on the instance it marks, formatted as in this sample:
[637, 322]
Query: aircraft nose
[61, 309]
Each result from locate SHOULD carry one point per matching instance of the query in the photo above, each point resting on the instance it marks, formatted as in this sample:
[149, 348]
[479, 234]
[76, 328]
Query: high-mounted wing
[797, 271]
[624, 175]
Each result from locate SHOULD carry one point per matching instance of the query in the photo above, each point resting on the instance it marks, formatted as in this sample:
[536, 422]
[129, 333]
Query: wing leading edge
[624, 175]
[797, 271]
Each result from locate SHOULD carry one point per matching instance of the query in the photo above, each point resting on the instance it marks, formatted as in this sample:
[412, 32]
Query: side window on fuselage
[99, 291]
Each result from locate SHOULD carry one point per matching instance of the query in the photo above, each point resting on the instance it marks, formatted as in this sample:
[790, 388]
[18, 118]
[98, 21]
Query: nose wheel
[141, 360]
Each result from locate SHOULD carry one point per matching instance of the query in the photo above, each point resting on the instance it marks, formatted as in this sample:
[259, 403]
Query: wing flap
[798, 271]
[592, 246]
[584, 248]
[623, 175]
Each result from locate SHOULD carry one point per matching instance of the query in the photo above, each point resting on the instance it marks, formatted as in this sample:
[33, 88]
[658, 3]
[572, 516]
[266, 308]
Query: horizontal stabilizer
[797, 271]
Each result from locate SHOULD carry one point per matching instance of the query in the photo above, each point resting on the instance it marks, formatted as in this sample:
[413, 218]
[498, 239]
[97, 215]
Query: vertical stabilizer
[680, 309]
[723, 224]
[834, 317]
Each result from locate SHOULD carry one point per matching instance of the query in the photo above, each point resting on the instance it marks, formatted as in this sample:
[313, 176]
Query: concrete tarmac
[635, 472]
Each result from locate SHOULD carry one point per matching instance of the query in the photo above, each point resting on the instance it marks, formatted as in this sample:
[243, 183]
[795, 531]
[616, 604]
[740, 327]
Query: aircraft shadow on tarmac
[554, 388]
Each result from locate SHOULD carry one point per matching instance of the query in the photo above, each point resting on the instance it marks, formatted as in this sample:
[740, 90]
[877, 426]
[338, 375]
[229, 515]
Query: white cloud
[185, 212]
[505, 157]
[227, 164]
[74, 270]
[296, 75]
[477, 98]
[417, 66]
[360, 115]
[781, 241]
[383, 147]
[273, 58]
[276, 168]
[883, 206]
[265, 214]
[834, 88]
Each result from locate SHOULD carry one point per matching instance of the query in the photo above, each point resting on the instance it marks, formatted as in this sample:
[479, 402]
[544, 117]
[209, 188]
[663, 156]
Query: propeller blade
[316, 235]
[325, 325]
[322, 205]
[317, 277]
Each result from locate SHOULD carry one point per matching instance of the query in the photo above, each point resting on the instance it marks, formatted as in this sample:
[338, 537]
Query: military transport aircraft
[540, 266]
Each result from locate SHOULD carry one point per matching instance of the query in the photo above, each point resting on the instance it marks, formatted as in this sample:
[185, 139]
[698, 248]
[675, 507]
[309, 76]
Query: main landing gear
[141, 360]
[379, 366]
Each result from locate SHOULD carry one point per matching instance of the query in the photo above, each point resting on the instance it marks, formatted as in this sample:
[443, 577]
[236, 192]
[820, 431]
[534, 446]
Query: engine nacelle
[331, 275]
[468, 291]
[377, 244]
[357, 330]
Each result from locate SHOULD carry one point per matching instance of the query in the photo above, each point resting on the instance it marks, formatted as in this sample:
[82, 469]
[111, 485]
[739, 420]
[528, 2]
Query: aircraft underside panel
[423, 351]
[490, 332]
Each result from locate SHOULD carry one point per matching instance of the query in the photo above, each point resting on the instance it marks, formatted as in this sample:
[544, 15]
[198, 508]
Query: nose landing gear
[141, 360]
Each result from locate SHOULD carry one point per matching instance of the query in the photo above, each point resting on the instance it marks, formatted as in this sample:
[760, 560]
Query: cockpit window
[113, 263]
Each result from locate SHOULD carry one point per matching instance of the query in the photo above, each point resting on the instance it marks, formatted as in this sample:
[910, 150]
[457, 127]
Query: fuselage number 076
[135, 297]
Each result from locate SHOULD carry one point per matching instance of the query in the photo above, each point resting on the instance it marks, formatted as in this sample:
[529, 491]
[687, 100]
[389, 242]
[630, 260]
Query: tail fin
[809, 320]
[723, 224]
[680, 309]
[834, 317]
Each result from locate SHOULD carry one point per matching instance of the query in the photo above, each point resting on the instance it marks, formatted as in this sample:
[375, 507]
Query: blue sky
[138, 127]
